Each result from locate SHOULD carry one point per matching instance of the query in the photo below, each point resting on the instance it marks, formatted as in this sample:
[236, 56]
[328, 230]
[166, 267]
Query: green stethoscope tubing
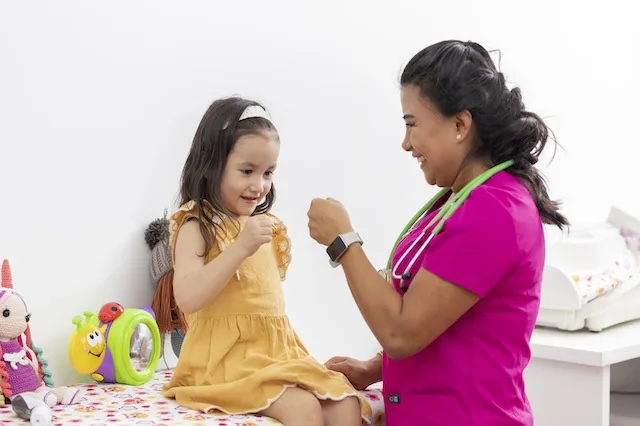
[449, 207]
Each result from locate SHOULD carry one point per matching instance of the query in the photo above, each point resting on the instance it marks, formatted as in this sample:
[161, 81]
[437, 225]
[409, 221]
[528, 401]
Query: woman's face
[437, 142]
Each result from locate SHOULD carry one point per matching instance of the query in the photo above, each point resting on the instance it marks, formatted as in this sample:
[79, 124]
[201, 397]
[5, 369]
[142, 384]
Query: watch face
[336, 248]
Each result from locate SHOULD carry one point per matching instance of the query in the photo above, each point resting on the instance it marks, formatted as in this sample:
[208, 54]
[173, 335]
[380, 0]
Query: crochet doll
[168, 316]
[23, 371]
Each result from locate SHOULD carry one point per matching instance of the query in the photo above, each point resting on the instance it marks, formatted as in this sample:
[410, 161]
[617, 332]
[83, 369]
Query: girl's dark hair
[457, 76]
[215, 138]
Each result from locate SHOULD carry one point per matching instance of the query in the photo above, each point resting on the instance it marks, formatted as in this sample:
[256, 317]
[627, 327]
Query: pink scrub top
[493, 246]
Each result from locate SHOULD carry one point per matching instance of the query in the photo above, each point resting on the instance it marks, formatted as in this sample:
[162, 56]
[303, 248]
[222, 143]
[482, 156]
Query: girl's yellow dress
[240, 352]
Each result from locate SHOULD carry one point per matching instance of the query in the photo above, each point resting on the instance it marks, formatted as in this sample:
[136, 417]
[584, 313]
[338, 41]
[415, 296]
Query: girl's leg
[296, 407]
[342, 413]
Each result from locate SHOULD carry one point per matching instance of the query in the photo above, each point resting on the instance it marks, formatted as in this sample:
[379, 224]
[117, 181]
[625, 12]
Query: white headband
[252, 111]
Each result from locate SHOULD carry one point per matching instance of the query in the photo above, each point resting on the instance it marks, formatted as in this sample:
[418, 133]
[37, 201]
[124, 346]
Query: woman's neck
[468, 172]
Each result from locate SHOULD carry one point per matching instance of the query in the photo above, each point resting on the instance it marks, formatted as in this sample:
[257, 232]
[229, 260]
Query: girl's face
[438, 143]
[248, 174]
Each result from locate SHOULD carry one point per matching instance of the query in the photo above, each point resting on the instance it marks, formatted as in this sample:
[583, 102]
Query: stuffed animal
[23, 371]
[168, 316]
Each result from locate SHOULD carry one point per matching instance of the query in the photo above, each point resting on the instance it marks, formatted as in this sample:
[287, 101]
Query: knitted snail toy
[23, 370]
[168, 316]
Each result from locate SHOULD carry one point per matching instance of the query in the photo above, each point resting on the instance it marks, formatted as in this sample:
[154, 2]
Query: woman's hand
[327, 219]
[359, 373]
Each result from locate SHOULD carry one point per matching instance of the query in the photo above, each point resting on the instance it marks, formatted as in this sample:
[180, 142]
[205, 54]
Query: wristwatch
[340, 245]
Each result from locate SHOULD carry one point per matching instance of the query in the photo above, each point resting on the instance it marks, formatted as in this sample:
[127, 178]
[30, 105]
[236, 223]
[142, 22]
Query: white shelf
[610, 346]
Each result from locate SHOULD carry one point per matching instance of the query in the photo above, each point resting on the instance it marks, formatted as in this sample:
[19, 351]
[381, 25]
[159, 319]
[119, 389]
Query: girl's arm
[195, 283]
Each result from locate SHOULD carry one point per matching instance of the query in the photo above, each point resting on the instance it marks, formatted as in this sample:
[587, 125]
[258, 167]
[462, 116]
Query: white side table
[568, 379]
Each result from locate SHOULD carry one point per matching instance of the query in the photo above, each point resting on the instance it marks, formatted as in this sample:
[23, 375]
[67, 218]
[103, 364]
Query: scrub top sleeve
[477, 247]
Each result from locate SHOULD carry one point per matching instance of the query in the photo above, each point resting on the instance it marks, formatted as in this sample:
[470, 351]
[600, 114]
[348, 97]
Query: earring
[458, 137]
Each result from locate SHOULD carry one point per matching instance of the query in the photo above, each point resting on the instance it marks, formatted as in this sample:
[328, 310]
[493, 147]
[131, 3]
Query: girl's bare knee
[346, 412]
[310, 412]
[296, 407]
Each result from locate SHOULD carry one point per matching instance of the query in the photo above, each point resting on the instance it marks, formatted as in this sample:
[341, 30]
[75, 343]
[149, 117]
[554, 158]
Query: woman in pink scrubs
[455, 322]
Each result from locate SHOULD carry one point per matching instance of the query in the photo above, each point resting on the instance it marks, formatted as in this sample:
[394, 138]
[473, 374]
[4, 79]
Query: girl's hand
[327, 219]
[256, 232]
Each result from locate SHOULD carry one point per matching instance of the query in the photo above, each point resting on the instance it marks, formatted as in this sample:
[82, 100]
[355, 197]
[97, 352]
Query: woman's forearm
[374, 368]
[379, 303]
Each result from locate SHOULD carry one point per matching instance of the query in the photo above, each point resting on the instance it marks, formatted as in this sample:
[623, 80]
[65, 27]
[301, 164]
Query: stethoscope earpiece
[405, 277]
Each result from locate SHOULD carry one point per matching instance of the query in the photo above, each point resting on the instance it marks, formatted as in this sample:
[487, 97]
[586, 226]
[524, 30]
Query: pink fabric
[493, 245]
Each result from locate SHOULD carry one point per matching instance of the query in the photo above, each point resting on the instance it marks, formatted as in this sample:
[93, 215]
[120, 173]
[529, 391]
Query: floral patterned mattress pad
[108, 404]
[594, 284]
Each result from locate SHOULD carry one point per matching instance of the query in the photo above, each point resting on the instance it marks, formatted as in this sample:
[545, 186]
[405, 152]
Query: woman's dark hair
[457, 76]
[215, 138]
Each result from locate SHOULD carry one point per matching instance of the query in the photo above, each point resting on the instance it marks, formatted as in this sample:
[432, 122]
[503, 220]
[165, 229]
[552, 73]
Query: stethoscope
[445, 212]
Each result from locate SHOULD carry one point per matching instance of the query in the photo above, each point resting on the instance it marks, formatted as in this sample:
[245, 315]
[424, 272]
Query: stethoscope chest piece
[386, 274]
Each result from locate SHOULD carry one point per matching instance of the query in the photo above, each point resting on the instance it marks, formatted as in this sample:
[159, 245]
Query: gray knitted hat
[176, 342]
[157, 238]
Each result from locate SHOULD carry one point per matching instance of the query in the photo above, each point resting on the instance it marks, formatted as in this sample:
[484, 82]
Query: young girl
[241, 354]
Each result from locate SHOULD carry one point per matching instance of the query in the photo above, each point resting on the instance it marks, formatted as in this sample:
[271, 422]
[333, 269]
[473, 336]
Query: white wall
[98, 105]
